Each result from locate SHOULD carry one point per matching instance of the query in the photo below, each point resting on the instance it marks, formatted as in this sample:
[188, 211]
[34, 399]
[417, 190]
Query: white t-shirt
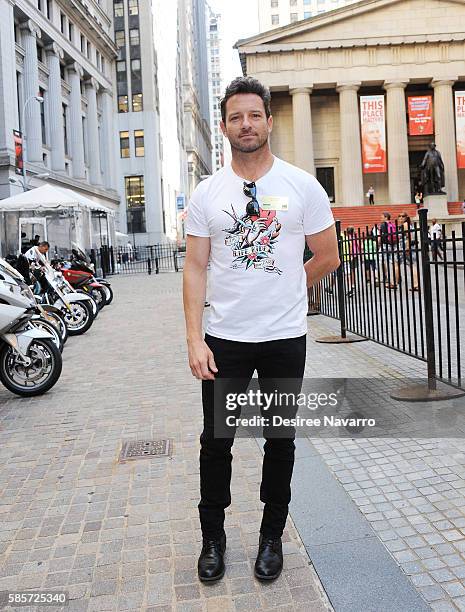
[257, 282]
[33, 254]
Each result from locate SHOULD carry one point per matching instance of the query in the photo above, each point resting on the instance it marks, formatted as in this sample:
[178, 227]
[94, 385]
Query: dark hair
[246, 85]
[387, 215]
[44, 243]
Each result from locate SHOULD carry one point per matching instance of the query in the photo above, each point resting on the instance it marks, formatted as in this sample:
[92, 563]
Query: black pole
[427, 298]
[340, 282]
[149, 266]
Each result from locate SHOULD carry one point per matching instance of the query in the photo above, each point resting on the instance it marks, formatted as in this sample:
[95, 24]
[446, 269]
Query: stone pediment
[368, 22]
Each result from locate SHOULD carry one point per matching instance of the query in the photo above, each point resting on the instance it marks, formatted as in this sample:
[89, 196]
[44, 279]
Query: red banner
[18, 140]
[420, 115]
[373, 134]
[460, 127]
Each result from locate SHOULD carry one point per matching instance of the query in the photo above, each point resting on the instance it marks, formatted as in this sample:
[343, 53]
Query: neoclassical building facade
[63, 53]
[320, 69]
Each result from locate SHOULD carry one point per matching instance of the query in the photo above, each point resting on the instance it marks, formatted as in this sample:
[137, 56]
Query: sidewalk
[126, 536]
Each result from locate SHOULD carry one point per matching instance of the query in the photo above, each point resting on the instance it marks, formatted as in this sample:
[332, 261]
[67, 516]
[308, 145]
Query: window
[274, 3]
[40, 53]
[84, 140]
[83, 44]
[274, 19]
[134, 39]
[135, 204]
[104, 66]
[325, 176]
[307, 14]
[120, 68]
[65, 128]
[88, 50]
[49, 9]
[118, 8]
[123, 106]
[120, 38]
[42, 116]
[124, 144]
[294, 17]
[70, 31]
[133, 7]
[139, 143]
[62, 72]
[292, 2]
[135, 69]
[137, 104]
[62, 23]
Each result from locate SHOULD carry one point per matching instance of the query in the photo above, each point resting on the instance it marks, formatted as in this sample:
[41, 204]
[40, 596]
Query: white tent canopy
[65, 215]
[49, 197]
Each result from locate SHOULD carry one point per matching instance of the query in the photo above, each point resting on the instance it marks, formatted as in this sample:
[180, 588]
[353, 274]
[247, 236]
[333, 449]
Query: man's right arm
[201, 361]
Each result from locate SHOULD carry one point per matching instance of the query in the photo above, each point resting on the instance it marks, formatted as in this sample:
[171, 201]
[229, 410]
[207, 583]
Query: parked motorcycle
[81, 261]
[15, 292]
[77, 308]
[30, 364]
[81, 280]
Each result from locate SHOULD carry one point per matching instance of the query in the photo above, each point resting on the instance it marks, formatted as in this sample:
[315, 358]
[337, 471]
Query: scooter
[30, 364]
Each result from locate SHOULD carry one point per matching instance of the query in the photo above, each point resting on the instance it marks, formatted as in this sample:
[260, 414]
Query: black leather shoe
[211, 565]
[269, 561]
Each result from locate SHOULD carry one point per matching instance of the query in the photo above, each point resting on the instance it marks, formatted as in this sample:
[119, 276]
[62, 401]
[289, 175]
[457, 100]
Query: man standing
[251, 219]
[35, 253]
[371, 195]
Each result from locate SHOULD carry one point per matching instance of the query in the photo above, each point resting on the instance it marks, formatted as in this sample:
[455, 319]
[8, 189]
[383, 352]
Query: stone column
[31, 120]
[303, 134]
[351, 154]
[444, 129]
[95, 175]
[108, 140]
[55, 108]
[397, 143]
[76, 137]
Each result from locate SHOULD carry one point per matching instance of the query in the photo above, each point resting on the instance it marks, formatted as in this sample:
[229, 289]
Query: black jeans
[272, 359]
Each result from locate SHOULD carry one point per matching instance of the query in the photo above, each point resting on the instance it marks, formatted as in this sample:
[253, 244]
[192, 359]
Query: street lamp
[40, 100]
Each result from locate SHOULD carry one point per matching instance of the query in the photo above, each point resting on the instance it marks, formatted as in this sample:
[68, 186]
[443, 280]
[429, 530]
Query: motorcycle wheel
[99, 296]
[60, 325]
[90, 303]
[79, 319]
[50, 329]
[39, 376]
[109, 293]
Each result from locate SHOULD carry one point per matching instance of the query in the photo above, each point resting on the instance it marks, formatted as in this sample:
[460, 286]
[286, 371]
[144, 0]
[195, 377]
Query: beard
[238, 145]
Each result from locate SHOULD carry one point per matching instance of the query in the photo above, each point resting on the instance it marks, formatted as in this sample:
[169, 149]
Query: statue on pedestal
[432, 172]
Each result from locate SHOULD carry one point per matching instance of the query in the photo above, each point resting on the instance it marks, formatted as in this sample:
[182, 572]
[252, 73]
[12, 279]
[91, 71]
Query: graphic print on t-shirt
[252, 240]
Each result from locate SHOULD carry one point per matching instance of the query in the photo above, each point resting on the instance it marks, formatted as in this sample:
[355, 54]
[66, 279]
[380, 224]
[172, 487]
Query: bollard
[157, 267]
[149, 266]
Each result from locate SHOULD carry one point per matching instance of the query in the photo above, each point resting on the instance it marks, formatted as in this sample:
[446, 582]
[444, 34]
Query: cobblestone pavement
[410, 488]
[126, 536]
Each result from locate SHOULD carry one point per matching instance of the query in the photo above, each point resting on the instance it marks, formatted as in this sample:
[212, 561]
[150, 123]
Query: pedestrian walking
[387, 240]
[371, 195]
[251, 219]
[369, 252]
[407, 249]
[435, 237]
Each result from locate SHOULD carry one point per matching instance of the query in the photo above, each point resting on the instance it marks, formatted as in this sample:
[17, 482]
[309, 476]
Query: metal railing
[403, 289]
[151, 259]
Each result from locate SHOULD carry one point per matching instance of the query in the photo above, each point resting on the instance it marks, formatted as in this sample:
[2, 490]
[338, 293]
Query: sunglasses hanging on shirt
[250, 190]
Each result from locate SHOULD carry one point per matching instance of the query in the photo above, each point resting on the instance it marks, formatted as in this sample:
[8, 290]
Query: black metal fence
[151, 259]
[402, 287]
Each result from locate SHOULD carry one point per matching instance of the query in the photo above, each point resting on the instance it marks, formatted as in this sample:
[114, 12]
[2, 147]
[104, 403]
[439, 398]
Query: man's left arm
[325, 258]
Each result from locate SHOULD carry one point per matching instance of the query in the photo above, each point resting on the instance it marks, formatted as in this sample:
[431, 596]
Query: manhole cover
[139, 449]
